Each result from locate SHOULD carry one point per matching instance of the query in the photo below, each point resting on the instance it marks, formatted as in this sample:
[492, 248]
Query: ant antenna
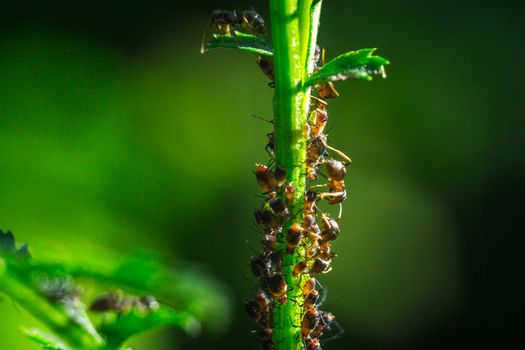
[261, 118]
[340, 154]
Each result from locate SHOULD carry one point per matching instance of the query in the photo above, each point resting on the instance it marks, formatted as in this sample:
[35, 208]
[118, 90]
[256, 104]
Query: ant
[329, 228]
[226, 22]
[116, 302]
[268, 68]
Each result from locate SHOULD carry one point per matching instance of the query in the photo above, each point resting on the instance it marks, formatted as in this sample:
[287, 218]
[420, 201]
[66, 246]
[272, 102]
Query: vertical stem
[293, 51]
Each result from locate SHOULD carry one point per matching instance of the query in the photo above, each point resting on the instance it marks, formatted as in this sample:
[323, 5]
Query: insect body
[227, 22]
[116, 302]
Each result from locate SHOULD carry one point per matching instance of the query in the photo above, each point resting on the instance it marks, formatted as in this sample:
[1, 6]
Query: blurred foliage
[117, 136]
[52, 293]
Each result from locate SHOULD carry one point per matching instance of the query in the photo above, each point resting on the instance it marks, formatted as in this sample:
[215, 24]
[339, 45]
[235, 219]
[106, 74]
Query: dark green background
[117, 135]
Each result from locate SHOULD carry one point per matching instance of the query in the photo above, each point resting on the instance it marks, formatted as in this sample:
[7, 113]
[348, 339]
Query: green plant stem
[46, 313]
[293, 51]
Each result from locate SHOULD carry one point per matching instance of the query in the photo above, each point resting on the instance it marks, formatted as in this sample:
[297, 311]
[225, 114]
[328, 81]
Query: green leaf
[360, 64]
[122, 327]
[46, 340]
[241, 41]
[8, 247]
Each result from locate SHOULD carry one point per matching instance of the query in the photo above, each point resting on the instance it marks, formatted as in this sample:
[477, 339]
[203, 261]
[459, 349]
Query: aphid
[293, 237]
[259, 266]
[280, 210]
[60, 289]
[279, 177]
[310, 200]
[276, 261]
[266, 220]
[310, 320]
[269, 242]
[320, 266]
[329, 228]
[299, 268]
[336, 169]
[289, 191]
[264, 301]
[264, 177]
[253, 309]
[270, 181]
[278, 287]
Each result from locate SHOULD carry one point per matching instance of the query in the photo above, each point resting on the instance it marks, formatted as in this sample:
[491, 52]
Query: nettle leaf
[8, 247]
[122, 327]
[360, 64]
[47, 341]
[240, 41]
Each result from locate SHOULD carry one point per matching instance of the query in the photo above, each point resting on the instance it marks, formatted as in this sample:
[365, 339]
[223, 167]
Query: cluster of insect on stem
[309, 234]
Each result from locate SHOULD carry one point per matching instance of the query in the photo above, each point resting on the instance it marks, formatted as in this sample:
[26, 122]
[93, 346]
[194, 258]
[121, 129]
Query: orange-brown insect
[270, 181]
[264, 301]
[293, 237]
[278, 287]
[299, 268]
[311, 343]
[325, 90]
[320, 266]
[309, 286]
[310, 320]
[268, 68]
[253, 309]
[289, 191]
[318, 120]
[336, 169]
[329, 228]
[227, 22]
[310, 200]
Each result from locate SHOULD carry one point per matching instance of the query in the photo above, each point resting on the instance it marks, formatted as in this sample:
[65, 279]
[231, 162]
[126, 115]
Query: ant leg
[339, 334]
[321, 101]
[323, 298]
[318, 186]
[203, 36]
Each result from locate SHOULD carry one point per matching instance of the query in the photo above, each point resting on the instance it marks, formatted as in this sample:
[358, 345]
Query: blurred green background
[117, 135]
